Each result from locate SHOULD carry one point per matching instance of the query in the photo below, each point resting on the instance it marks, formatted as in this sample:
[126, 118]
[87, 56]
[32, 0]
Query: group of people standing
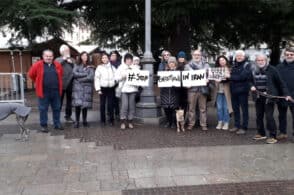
[268, 85]
[77, 80]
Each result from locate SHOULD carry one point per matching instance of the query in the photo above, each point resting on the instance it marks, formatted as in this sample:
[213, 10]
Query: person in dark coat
[169, 97]
[164, 60]
[241, 75]
[115, 60]
[266, 79]
[67, 65]
[286, 70]
[83, 87]
[182, 61]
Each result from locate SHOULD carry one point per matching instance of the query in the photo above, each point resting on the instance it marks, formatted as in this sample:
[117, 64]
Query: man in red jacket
[47, 76]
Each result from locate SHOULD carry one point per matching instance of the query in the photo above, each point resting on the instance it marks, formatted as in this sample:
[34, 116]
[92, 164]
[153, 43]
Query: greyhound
[22, 113]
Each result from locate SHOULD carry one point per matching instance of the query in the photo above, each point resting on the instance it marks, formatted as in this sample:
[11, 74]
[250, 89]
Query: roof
[53, 44]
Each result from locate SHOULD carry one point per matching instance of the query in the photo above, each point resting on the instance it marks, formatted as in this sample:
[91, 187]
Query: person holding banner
[182, 61]
[241, 74]
[105, 86]
[197, 93]
[169, 97]
[222, 95]
[128, 92]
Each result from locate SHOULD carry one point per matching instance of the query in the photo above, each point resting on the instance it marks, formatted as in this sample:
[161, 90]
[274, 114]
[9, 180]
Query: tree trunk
[275, 50]
[180, 38]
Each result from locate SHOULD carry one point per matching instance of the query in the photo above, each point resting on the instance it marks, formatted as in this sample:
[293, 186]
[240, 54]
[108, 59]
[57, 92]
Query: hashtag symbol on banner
[131, 77]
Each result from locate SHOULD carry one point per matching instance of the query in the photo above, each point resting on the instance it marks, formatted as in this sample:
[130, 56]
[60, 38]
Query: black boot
[86, 124]
[84, 113]
[77, 124]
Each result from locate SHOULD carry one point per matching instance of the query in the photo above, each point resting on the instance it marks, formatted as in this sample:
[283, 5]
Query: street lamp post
[147, 110]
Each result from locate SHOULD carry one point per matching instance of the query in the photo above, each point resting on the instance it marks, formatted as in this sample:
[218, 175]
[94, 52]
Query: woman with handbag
[128, 92]
[105, 84]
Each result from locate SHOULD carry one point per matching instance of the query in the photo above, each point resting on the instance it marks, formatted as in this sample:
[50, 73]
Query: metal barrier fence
[12, 88]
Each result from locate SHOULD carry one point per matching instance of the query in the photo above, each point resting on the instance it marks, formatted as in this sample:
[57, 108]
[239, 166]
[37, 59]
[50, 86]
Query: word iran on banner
[194, 78]
[169, 78]
[218, 73]
[138, 78]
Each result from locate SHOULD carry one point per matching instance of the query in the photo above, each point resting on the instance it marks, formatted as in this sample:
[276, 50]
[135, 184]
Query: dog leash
[272, 96]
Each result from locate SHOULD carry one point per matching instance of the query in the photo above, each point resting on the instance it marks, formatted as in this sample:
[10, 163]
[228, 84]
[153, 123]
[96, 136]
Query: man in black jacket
[286, 70]
[266, 80]
[67, 64]
[241, 75]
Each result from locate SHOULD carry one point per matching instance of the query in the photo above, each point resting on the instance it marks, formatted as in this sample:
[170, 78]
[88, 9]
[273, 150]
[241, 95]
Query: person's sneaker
[123, 126]
[225, 126]
[282, 136]
[234, 129]
[259, 137]
[204, 128]
[131, 126]
[241, 132]
[44, 129]
[219, 125]
[69, 120]
[271, 140]
[190, 127]
[59, 128]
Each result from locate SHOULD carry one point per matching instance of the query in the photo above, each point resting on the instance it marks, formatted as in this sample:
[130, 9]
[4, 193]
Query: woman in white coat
[105, 86]
[128, 92]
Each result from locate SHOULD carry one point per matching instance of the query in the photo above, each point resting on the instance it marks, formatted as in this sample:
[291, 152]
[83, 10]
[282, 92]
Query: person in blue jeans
[222, 95]
[241, 75]
[47, 75]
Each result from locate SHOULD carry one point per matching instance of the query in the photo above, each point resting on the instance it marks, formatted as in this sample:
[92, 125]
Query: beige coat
[227, 94]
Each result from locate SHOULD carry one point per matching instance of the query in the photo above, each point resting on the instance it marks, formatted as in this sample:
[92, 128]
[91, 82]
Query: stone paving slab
[109, 161]
[88, 168]
[246, 188]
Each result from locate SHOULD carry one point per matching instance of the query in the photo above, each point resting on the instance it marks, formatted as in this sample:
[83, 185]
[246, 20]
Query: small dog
[22, 113]
[180, 116]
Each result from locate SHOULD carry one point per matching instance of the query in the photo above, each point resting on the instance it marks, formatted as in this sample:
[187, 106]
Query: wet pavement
[146, 160]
